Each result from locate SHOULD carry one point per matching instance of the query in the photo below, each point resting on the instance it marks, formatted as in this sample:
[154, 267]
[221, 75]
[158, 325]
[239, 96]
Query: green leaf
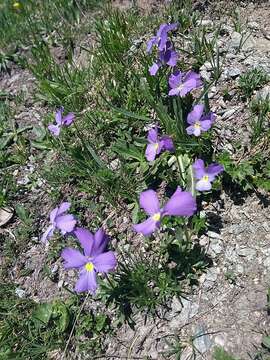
[61, 314]
[43, 313]
[266, 342]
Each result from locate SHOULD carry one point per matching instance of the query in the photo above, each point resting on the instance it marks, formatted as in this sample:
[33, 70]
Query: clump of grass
[252, 80]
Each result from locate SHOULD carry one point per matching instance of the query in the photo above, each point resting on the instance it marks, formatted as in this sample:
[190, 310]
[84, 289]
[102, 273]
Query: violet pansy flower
[94, 259]
[205, 175]
[157, 144]
[198, 122]
[61, 121]
[59, 220]
[182, 83]
[168, 56]
[182, 203]
[161, 38]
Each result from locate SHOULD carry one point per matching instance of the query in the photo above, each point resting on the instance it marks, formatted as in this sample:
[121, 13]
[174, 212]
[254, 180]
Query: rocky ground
[229, 307]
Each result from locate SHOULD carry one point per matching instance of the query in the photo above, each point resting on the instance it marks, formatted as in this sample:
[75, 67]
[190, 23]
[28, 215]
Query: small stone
[263, 93]
[253, 25]
[214, 235]
[202, 341]
[188, 310]
[212, 274]
[239, 269]
[206, 22]
[215, 247]
[60, 284]
[228, 113]
[266, 262]
[220, 340]
[6, 214]
[235, 72]
[24, 181]
[20, 293]
[246, 252]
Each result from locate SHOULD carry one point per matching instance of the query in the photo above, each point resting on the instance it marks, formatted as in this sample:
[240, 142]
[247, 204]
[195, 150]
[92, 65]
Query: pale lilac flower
[59, 220]
[198, 122]
[161, 38]
[94, 259]
[166, 57]
[61, 121]
[182, 83]
[182, 203]
[205, 175]
[157, 144]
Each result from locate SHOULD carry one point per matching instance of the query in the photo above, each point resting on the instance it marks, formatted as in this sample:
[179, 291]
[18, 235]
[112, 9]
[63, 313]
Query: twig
[73, 327]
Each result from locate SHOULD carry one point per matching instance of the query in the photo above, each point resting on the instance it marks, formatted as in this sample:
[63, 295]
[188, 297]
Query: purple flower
[60, 121]
[161, 38]
[166, 57]
[93, 259]
[182, 83]
[198, 122]
[157, 144]
[205, 175]
[182, 203]
[59, 220]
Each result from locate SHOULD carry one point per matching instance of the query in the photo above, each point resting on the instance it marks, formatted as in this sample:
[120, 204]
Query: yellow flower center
[156, 146]
[89, 267]
[16, 5]
[205, 178]
[197, 125]
[156, 217]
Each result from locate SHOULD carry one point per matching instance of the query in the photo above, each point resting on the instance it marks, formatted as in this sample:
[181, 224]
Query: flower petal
[187, 87]
[167, 143]
[190, 130]
[58, 115]
[195, 114]
[175, 79]
[182, 203]
[100, 242]
[53, 214]
[54, 129]
[68, 119]
[86, 239]
[199, 169]
[47, 234]
[152, 136]
[154, 69]
[215, 169]
[147, 227]
[151, 152]
[174, 92]
[63, 208]
[73, 258]
[150, 44]
[171, 58]
[203, 185]
[105, 262]
[87, 282]
[205, 125]
[149, 202]
[65, 223]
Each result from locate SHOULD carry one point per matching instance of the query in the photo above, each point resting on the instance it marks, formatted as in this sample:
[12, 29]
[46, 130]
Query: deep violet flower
[161, 38]
[157, 144]
[61, 121]
[94, 259]
[182, 83]
[168, 56]
[59, 220]
[198, 122]
[205, 175]
[182, 203]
